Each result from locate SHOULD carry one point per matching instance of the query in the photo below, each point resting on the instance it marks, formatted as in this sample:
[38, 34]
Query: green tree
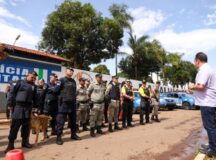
[176, 71]
[121, 15]
[80, 34]
[147, 57]
[101, 69]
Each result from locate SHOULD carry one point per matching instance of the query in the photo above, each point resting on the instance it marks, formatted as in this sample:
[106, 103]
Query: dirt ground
[177, 137]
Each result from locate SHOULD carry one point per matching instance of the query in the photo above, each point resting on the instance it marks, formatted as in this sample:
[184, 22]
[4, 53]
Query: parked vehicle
[167, 102]
[183, 100]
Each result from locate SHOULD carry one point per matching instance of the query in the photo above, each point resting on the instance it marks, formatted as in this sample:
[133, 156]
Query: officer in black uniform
[67, 106]
[51, 100]
[21, 99]
[127, 105]
[41, 87]
[144, 103]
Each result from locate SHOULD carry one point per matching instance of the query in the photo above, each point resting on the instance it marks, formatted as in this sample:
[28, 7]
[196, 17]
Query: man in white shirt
[205, 97]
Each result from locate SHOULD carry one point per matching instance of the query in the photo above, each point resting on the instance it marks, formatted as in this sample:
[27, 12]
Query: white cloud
[9, 32]
[7, 14]
[188, 42]
[145, 20]
[211, 19]
[125, 49]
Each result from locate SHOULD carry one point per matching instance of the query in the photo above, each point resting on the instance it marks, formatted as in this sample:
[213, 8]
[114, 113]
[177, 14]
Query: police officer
[96, 92]
[87, 84]
[155, 101]
[41, 87]
[82, 104]
[21, 99]
[127, 106]
[113, 94]
[51, 100]
[144, 103]
[67, 106]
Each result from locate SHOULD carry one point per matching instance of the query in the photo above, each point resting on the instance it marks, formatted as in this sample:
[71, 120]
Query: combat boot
[110, 127]
[92, 132]
[157, 120]
[59, 140]
[75, 136]
[10, 146]
[99, 131]
[116, 127]
[26, 144]
[85, 128]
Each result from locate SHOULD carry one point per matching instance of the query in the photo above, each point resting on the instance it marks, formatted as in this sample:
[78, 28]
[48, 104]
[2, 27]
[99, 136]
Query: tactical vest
[50, 94]
[115, 92]
[25, 92]
[129, 92]
[68, 92]
[147, 92]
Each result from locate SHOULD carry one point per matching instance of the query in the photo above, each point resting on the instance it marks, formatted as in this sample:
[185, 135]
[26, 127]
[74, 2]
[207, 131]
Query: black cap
[98, 75]
[116, 77]
[105, 81]
[70, 68]
[82, 79]
[143, 82]
[54, 75]
[33, 72]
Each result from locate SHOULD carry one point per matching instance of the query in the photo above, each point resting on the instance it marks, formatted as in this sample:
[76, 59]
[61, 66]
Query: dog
[40, 123]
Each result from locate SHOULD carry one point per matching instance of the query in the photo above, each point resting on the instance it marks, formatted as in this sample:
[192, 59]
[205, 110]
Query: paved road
[166, 140]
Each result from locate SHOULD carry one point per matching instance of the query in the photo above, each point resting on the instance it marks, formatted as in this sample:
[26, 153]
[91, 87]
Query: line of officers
[81, 104]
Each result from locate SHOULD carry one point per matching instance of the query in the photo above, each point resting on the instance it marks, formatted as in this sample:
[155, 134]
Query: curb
[2, 121]
[200, 156]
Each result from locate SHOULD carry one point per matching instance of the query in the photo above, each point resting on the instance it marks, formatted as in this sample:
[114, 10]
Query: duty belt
[83, 102]
[98, 102]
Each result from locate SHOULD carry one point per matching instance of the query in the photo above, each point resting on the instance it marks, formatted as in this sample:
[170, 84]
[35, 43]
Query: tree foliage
[80, 34]
[147, 57]
[101, 69]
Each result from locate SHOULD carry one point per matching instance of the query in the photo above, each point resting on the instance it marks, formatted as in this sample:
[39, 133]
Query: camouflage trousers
[82, 114]
[155, 110]
[113, 111]
[96, 115]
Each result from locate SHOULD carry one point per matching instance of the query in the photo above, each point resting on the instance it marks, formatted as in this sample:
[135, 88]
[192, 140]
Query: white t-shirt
[207, 77]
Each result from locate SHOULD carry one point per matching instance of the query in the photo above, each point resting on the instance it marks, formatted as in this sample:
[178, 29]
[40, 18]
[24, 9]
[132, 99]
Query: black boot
[92, 132]
[124, 125]
[26, 144]
[85, 128]
[59, 140]
[117, 127]
[142, 123]
[75, 136]
[152, 118]
[110, 127]
[157, 120]
[53, 132]
[99, 131]
[10, 146]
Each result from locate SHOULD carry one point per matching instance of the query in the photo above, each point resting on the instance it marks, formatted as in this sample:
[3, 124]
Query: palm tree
[138, 46]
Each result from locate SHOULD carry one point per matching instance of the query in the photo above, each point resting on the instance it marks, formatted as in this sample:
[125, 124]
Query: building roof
[35, 52]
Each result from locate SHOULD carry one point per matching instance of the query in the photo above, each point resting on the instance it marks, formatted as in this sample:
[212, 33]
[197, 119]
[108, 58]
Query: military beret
[33, 72]
[70, 68]
[98, 75]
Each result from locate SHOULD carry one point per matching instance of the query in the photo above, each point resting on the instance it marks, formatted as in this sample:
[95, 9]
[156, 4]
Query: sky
[183, 26]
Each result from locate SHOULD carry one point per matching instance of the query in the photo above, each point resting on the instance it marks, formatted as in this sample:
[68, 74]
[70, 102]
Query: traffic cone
[15, 154]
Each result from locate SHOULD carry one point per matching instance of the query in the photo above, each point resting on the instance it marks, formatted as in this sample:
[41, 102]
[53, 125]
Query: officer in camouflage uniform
[21, 99]
[156, 102]
[82, 104]
[113, 95]
[96, 91]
